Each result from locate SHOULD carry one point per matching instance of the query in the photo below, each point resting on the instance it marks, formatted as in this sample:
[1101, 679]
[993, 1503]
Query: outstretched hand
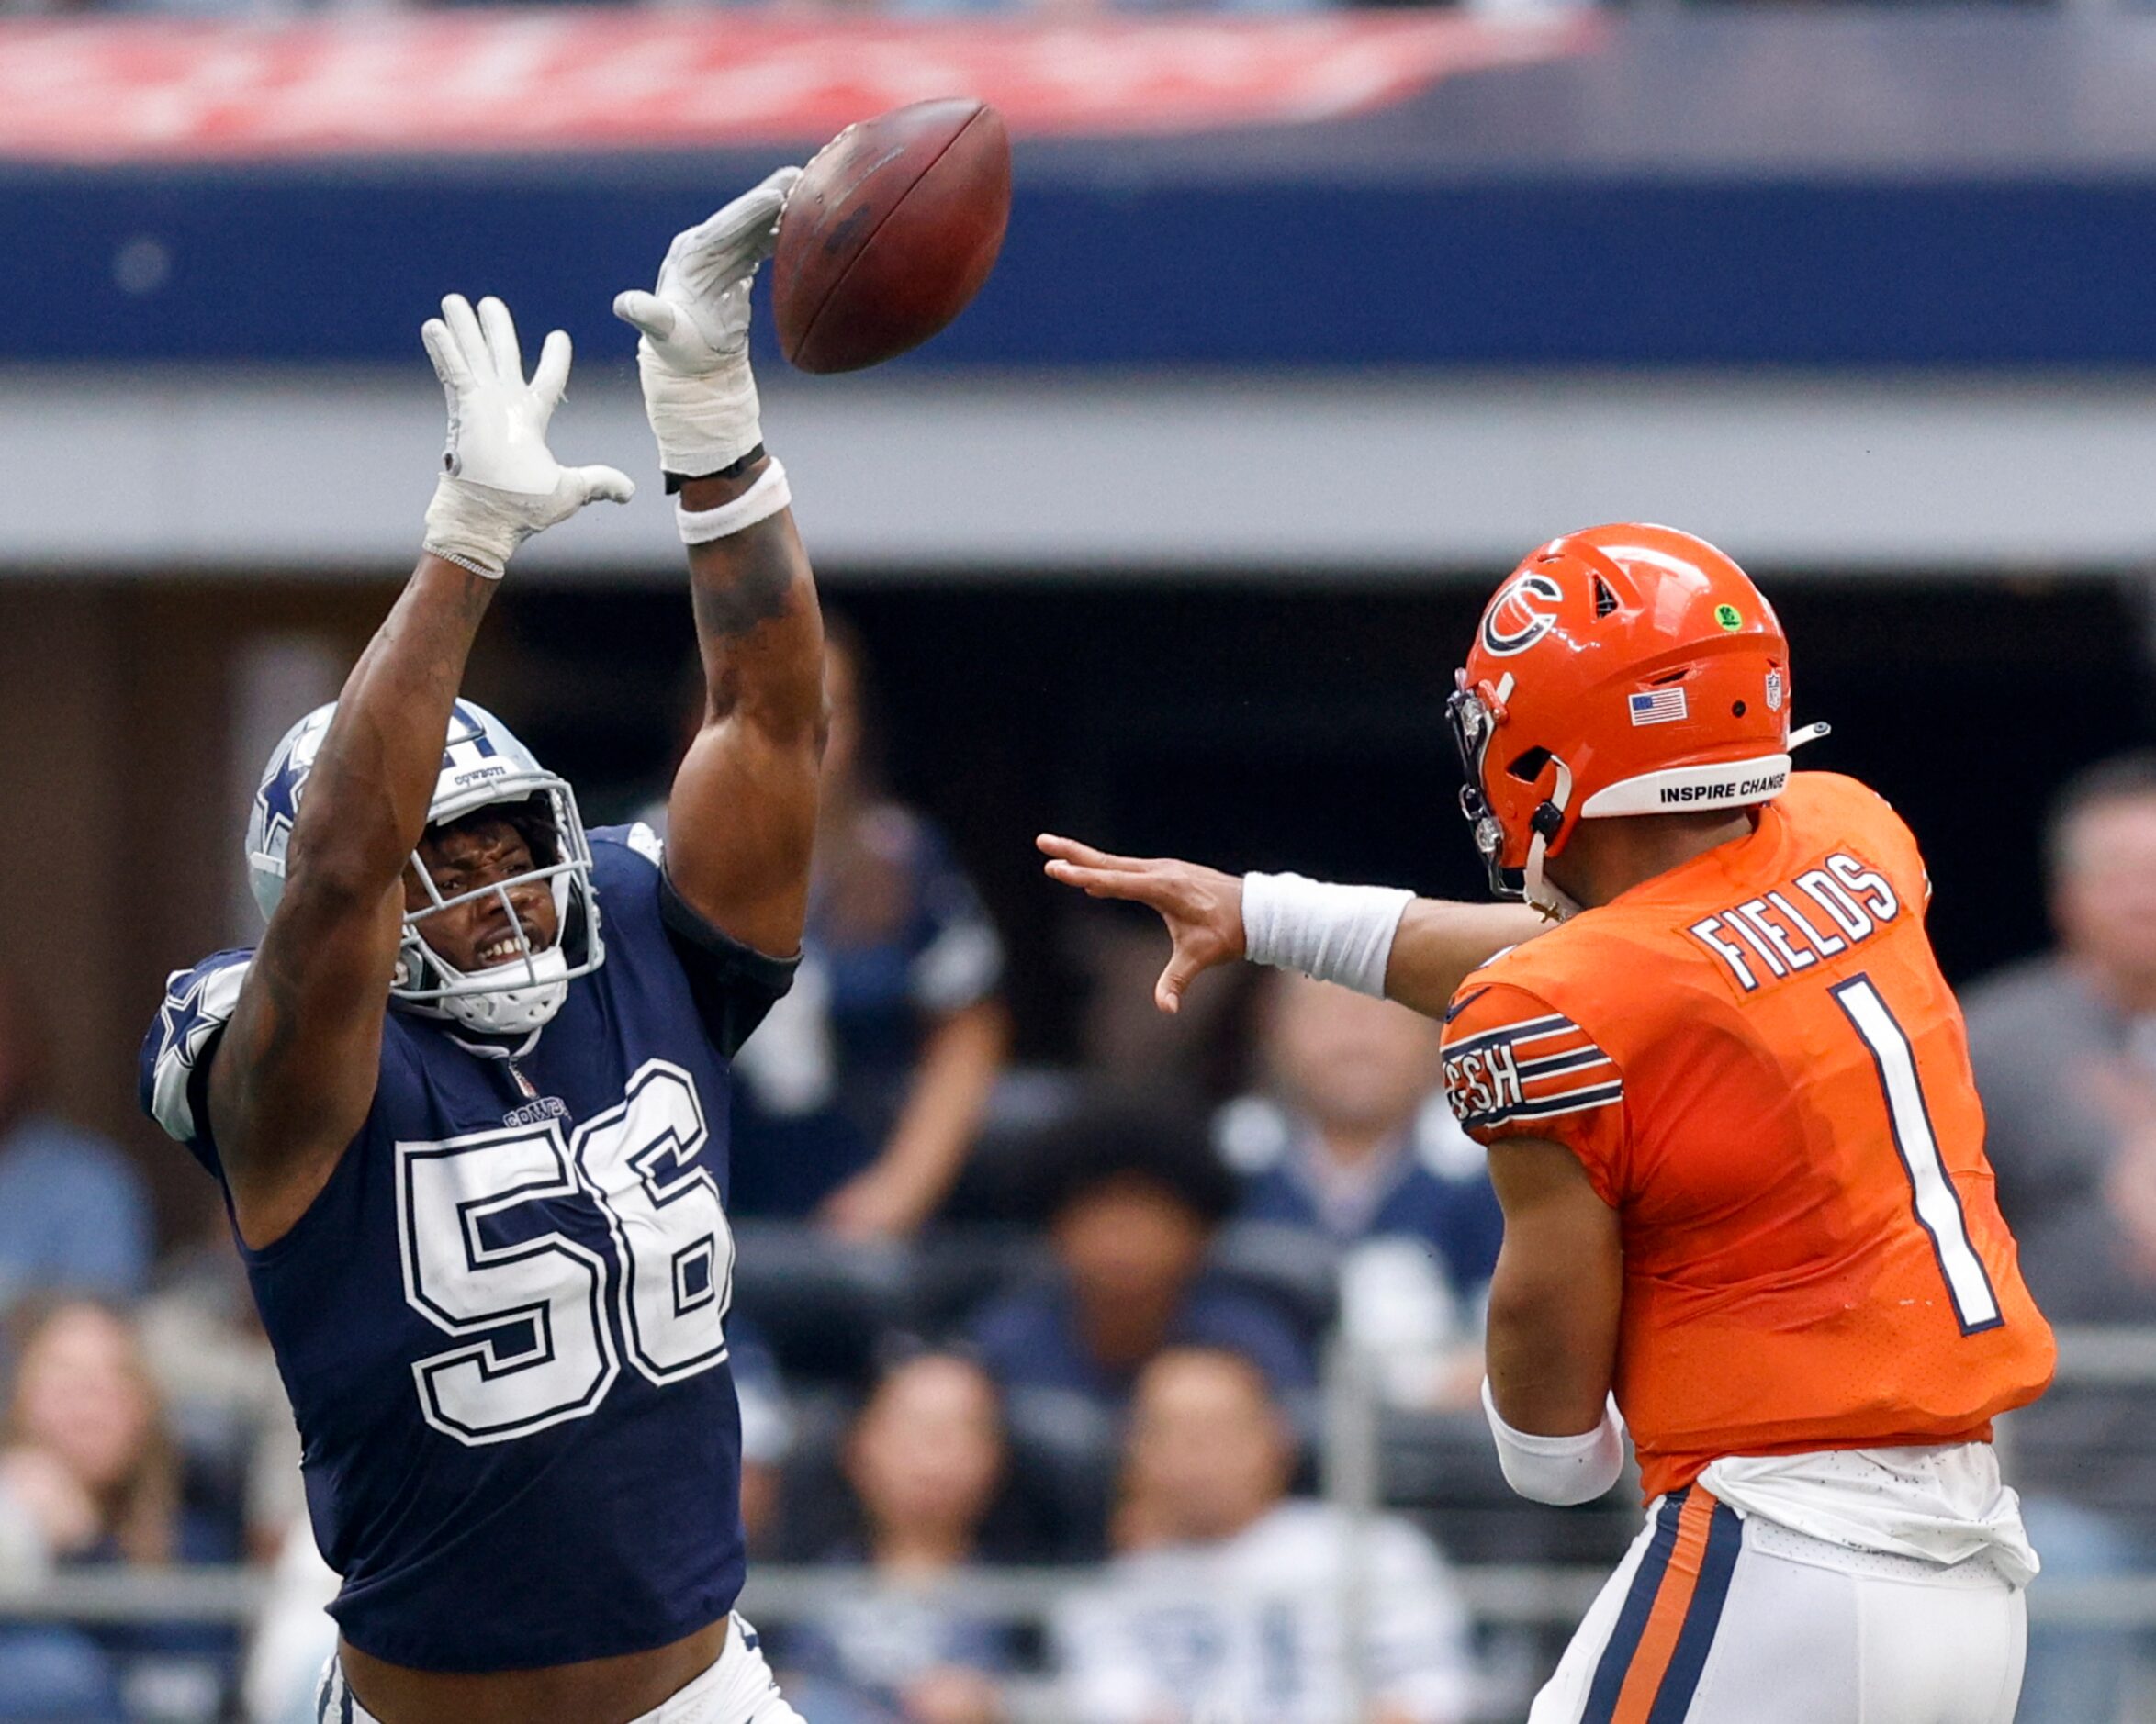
[501, 483]
[1202, 906]
[698, 319]
[698, 392]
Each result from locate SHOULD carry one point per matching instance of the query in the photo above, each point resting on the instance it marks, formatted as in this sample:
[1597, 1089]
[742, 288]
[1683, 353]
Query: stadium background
[1306, 327]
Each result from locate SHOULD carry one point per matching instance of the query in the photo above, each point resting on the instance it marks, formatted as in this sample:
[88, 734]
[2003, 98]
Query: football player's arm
[1414, 950]
[294, 1075]
[1550, 1343]
[741, 819]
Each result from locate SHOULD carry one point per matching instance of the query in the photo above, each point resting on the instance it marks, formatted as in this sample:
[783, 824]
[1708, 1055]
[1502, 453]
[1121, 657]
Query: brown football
[889, 233]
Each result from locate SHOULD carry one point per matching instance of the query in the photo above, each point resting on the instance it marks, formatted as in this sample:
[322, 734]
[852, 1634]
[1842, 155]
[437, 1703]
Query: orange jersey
[1758, 1062]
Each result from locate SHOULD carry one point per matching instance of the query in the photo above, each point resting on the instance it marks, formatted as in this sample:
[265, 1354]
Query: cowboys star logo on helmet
[1606, 680]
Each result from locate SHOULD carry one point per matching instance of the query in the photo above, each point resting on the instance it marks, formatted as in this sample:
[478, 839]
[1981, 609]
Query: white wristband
[760, 501]
[1561, 1471]
[1340, 933]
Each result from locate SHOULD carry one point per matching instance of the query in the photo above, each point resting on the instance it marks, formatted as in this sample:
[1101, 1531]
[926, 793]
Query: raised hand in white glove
[693, 358]
[501, 483]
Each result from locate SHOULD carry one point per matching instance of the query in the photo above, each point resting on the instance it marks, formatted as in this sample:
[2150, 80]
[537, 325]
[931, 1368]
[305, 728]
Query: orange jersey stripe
[1658, 1642]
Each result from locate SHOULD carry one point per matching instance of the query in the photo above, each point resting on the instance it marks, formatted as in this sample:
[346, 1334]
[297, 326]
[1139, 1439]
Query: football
[889, 233]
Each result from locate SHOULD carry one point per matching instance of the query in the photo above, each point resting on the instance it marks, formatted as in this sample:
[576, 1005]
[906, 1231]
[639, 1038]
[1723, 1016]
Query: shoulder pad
[637, 835]
[198, 1003]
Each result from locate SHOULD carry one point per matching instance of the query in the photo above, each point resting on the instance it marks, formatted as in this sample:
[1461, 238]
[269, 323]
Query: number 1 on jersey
[1936, 1204]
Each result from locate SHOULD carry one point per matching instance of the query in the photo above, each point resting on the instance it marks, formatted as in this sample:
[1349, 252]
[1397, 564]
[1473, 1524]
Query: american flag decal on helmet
[1657, 706]
[1537, 1067]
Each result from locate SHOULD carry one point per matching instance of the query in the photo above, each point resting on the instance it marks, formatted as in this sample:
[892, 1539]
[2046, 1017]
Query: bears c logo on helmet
[1513, 622]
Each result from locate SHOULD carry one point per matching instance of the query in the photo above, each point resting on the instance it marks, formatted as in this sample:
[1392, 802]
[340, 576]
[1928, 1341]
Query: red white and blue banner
[1910, 187]
[137, 89]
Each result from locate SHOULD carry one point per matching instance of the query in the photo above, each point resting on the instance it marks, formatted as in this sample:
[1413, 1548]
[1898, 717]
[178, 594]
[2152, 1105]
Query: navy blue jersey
[501, 1322]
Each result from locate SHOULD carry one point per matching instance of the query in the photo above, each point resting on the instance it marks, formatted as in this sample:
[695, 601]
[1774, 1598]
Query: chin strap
[1537, 889]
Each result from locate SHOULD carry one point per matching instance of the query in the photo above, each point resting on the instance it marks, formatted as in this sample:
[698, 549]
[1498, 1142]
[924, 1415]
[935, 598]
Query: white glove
[501, 484]
[693, 358]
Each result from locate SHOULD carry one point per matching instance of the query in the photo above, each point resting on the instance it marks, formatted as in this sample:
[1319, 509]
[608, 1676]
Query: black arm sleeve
[736, 986]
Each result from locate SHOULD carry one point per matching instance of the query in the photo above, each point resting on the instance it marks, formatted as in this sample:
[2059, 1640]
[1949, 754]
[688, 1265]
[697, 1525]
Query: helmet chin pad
[515, 1011]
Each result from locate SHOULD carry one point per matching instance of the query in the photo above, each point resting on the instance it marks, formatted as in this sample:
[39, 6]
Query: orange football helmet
[1628, 669]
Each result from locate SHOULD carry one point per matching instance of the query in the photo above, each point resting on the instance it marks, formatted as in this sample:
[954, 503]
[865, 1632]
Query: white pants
[737, 1689]
[1714, 1619]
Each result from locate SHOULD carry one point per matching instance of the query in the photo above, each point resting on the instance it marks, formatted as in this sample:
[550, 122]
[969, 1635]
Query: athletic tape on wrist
[1340, 933]
[760, 501]
[701, 422]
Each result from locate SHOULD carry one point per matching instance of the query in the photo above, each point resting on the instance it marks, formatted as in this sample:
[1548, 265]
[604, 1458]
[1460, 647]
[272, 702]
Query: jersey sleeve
[1517, 1066]
[734, 986]
[198, 1003]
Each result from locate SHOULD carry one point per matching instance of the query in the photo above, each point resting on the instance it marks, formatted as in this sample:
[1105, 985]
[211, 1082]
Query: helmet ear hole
[1528, 766]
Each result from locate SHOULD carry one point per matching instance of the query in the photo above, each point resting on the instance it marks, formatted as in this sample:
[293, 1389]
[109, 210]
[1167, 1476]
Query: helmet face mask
[511, 996]
[1473, 724]
[483, 767]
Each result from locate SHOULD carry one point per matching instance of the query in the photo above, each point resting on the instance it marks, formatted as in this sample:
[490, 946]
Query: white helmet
[483, 765]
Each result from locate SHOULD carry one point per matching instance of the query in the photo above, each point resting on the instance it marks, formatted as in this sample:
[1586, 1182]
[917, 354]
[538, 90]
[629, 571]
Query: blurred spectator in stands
[1230, 1600]
[2065, 1052]
[293, 1635]
[88, 1471]
[224, 1400]
[1349, 1140]
[1132, 1195]
[74, 1216]
[923, 1460]
[1124, 1039]
[861, 1094]
[767, 1428]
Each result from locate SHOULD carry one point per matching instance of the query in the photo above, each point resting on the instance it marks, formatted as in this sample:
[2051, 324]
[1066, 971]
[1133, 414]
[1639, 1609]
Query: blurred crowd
[1081, 1317]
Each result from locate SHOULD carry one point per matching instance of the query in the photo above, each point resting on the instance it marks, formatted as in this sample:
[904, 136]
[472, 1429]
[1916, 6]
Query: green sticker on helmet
[1729, 617]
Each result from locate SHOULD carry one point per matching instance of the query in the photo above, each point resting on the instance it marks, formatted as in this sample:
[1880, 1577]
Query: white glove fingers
[783, 181]
[597, 484]
[456, 312]
[743, 232]
[503, 349]
[647, 313]
[552, 375]
[449, 362]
